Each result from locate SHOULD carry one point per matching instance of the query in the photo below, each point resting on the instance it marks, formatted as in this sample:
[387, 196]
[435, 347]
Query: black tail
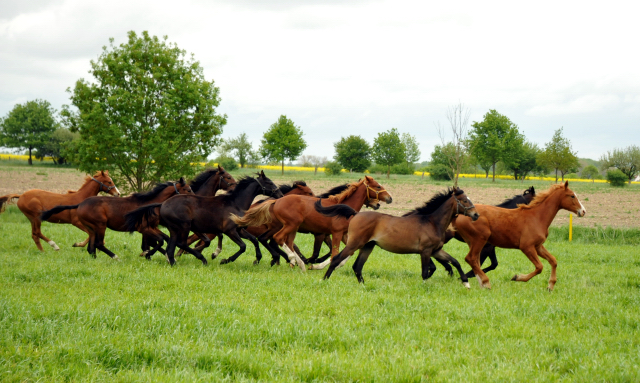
[134, 219]
[335, 210]
[48, 213]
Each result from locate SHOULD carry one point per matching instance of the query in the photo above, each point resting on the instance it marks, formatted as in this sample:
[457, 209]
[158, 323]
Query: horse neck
[442, 217]
[89, 189]
[548, 209]
[356, 200]
[245, 197]
[210, 187]
[164, 195]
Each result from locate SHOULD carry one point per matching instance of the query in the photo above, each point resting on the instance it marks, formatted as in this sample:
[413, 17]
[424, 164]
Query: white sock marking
[53, 244]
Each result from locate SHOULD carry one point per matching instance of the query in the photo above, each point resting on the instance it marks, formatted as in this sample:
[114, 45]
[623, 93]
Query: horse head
[375, 193]
[182, 187]
[106, 183]
[227, 182]
[303, 188]
[268, 187]
[571, 202]
[464, 204]
[529, 194]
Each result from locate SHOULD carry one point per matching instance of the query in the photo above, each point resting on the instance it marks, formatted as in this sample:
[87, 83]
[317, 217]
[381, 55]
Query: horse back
[33, 202]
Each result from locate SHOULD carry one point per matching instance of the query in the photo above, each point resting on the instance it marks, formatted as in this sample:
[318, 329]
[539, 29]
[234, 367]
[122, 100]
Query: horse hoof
[224, 261]
[466, 284]
[256, 262]
[205, 263]
[515, 277]
[116, 258]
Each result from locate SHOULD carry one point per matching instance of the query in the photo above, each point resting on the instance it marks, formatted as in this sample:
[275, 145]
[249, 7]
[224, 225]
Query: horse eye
[573, 196]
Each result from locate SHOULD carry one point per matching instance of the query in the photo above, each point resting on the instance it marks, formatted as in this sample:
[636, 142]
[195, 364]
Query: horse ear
[220, 168]
[182, 182]
[566, 184]
[102, 171]
[533, 190]
[262, 174]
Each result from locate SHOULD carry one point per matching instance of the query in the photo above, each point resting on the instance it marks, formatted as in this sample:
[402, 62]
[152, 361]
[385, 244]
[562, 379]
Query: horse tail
[7, 199]
[255, 216]
[335, 210]
[48, 213]
[135, 219]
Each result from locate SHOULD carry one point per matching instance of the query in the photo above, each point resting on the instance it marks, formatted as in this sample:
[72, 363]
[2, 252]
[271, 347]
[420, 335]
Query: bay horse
[296, 212]
[207, 183]
[525, 228]
[199, 214]
[99, 213]
[297, 188]
[33, 202]
[489, 251]
[421, 231]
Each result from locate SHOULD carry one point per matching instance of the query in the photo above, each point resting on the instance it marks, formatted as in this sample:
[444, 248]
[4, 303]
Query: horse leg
[100, 243]
[443, 256]
[531, 253]
[318, 240]
[297, 250]
[544, 253]
[339, 258]
[182, 242]
[190, 240]
[428, 267]
[473, 259]
[363, 255]
[335, 249]
[34, 233]
[235, 237]
[76, 222]
[91, 248]
[218, 249]
[445, 264]
[293, 257]
[38, 232]
[489, 251]
[245, 234]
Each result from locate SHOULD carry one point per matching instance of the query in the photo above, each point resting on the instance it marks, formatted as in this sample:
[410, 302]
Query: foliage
[558, 155]
[439, 172]
[571, 176]
[332, 168]
[626, 160]
[495, 139]
[404, 168]
[149, 113]
[61, 142]
[591, 172]
[525, 160]
[28, 126]
[282, 141]
[353, 153]
[240, 147]
[227, 162]
[411, 149]
[616, 178]
[458, 148]
[388, 149]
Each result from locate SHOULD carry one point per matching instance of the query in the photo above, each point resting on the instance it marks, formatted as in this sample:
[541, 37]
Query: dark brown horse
[206, 215]
[489, 251]
[33, 202]
[421, 231]
[525, 228]
[99, 213]
[298, 213]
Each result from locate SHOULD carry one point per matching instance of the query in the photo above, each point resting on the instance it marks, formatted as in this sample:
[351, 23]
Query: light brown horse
[296, 212]
[525, 228]
[421, 231]
[33, 202]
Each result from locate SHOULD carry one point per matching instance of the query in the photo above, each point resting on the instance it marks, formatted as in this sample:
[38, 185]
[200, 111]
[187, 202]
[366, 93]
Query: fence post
[570, 227]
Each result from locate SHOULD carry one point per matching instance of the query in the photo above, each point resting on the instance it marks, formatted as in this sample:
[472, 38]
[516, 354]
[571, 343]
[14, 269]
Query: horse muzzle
[475, 216]
[581, 212]
[388, 200]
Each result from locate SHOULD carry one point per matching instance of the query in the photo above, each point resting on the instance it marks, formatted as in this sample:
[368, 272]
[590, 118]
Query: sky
[359, 67]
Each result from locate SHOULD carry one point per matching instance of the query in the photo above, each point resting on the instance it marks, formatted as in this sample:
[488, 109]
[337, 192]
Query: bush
[571, 176]
[439, 172]
[616, 178]
[402, 169]
[228, 163]
[332, 168]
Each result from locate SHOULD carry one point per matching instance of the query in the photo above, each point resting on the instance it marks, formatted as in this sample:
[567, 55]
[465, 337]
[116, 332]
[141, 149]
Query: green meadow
[67, 317]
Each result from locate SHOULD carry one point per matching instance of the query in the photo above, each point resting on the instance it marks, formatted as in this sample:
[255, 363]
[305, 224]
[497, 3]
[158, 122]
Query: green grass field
[67, 317]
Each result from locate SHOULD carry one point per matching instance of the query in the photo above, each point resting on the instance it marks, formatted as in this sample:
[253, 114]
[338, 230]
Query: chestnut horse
[525, 228]
[489, 251]
[298, 213]
[421, 231]
[99, 213]
[205, 215]
[33, 202]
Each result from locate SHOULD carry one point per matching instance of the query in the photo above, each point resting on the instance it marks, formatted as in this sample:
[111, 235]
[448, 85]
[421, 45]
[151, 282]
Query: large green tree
[61, 142]
[627, 160]
[558, 155]
[353, 153]
[240, 147]
[388, 149]
[282, 141]
[28, 126]
[525, 160]
[411, 149]
[494, 139]
[148, 112]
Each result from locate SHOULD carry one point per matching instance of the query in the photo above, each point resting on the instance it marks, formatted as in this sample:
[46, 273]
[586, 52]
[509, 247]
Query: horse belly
[397, 239]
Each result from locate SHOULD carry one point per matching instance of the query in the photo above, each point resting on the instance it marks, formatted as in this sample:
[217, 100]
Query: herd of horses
[199, 207]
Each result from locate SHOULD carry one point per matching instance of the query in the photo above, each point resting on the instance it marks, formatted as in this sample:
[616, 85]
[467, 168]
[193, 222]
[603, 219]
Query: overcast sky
[359, 67]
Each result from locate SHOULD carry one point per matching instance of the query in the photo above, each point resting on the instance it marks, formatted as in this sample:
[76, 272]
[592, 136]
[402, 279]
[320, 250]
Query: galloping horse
[298, 213]
[421, 231]
[525, 228]
[206, 215]
[32, 202]
[99, 213]
[489, 251]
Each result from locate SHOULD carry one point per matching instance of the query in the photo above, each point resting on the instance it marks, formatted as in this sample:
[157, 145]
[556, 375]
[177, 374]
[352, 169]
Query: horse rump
[255, 216]
[335, 210]
[136, 218]
[48, 213]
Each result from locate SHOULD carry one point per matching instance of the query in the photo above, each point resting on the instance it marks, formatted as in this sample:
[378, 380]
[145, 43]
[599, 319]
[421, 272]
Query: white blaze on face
[117, 191]
[582, 212]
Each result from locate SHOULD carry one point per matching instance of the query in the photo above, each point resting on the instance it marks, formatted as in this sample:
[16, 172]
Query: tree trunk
[486, 173]
[388, 170]
[283, 167]
[556, 175]
[30, 161]
[315, 172]
[494, 172]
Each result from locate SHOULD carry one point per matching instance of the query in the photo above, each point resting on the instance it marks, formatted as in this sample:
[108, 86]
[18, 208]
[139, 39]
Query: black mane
[513, 202]
[201, 178]
[287, 188]
[336, 190]
[147, 196]
[242, 184]
[434, 203]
